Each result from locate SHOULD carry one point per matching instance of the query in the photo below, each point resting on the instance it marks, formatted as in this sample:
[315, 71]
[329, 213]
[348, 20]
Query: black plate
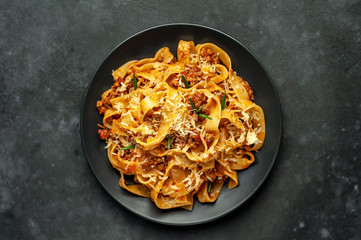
[145, 44]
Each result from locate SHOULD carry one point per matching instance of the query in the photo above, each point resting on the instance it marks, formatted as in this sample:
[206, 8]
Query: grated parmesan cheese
[252, 138]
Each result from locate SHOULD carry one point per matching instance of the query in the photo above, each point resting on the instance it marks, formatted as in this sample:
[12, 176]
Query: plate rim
[231, 209]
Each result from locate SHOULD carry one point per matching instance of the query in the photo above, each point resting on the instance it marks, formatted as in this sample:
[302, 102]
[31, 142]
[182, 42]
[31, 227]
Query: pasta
[180, 126]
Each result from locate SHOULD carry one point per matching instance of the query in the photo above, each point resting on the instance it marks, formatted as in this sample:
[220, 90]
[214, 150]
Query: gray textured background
[50, 49]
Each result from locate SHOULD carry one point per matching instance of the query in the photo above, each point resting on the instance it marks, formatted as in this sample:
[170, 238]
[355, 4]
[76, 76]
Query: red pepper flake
[103, 133]
[198, 138]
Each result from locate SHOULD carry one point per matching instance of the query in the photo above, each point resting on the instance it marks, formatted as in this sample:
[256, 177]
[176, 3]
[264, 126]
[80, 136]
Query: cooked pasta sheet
[180, 125]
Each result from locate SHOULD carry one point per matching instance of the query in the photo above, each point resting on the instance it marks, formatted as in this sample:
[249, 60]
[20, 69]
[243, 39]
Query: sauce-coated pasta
[180, 125]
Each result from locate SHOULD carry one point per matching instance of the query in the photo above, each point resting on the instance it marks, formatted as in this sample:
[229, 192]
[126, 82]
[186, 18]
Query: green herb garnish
[129, 147]
[198, 110]
[186, 84]
[135, 82]
[209, 186]
[169, 140]
[205, 116]
[224, 101]
[193, 106]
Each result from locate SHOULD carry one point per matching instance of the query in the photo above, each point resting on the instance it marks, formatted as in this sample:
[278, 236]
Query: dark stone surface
[50, 49]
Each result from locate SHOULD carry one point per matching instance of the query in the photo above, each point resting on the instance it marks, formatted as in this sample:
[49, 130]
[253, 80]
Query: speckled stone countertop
[50, 49]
